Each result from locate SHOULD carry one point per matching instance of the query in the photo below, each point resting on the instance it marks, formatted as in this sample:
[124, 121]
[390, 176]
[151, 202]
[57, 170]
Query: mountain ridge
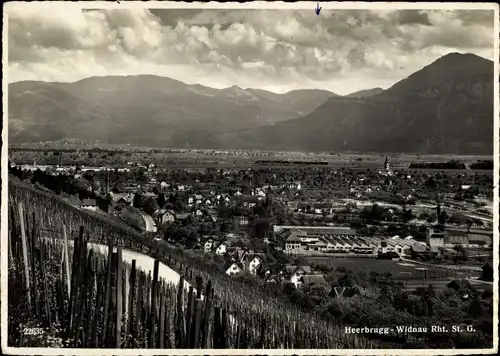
[447, 106]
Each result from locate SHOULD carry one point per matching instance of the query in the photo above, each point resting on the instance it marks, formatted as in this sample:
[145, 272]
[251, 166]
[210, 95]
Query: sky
[278, 50]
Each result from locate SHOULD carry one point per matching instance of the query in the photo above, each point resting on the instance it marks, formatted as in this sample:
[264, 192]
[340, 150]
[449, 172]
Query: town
[294, 224]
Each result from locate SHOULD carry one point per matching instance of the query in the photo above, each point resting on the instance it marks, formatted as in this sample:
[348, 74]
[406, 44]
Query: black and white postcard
[248, 178]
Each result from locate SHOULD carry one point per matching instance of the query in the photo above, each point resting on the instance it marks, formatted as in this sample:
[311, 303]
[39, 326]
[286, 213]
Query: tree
[317, 292]
[137, 200]
[149, 205]
[161, 200]
[260, 227]
[407, 215]
[443, 218]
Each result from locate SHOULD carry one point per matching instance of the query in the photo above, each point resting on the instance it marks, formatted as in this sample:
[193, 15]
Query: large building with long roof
[338, 239]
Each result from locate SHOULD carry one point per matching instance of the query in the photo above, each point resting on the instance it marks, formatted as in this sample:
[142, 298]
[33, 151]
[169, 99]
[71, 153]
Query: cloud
[268, 49]
[413, 17]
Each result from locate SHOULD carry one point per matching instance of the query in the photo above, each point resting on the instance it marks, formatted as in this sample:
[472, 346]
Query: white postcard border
[309, 6]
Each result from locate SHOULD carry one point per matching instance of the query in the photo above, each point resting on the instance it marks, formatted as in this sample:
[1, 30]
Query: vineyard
[65, 291]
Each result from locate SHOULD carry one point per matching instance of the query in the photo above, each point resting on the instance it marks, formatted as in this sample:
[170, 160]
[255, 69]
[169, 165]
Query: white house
[298, 273]
[260, 193]
[221, 249]
[207, 246]
[164, 216]
[232, 268]
[253, 262]
[293, 242]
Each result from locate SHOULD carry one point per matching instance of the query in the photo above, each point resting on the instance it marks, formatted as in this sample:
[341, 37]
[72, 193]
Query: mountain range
[446, 107]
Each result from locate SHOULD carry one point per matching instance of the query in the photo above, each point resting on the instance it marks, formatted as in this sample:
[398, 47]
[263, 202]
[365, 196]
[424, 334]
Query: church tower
[386, 164]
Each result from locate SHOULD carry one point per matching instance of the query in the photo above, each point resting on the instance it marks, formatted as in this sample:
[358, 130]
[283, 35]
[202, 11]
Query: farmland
[48, 153]
[398, 269]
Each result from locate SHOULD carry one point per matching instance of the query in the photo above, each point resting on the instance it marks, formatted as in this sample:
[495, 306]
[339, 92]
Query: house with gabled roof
[272, 278]
[252, 261]
[233, 267]
[221, 248]
[248, 201]
[208, 245]
[164, 216]
[293, 243]
[293, 273]
[238, 253]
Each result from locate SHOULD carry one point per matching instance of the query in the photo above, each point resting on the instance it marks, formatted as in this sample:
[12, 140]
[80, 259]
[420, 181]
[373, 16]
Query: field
[213, 158]
[399, 269]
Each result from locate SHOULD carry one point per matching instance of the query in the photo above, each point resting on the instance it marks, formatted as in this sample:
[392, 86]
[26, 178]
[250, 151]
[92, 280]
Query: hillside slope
[447, 107]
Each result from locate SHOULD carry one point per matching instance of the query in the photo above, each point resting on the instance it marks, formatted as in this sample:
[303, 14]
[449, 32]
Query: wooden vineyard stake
[107, 293]
[61, 309]
[25, 253]
[206, 314]
[262, 334]
[96, 321]
[32, 245]
[119, 306]
[66, 260]
[179, 323]
[82, 295]
[14, 235]
[124, 294]
[139, 309]
[189, 318]
[238, 336]
[153, 305]
[217, 334]
[89, 301]
[224, 333]
[45, 285]
[74, 276]
[131, 305]
[12, 227]
[161, 329]
[197, 324]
